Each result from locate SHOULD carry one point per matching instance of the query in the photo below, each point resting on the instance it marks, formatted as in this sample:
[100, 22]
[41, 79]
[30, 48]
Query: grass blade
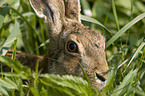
[115, 15]
[10, 40]
[137, 51]
[138, 91]
[126, 83]
[7, 83]
[109, 82]
[24, 19]
[43, 44]
[126, 27]
[67, 84]
[3, 91]
[89, 19]
[135, 54]
[84, 73]
[3, 13]
[22, 71]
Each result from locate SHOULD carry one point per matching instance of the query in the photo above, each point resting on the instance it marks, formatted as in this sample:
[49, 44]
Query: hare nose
[100, 77]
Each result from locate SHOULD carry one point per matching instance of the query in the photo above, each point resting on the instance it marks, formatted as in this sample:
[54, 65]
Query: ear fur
[53, 11]
[56, 12]
[72, 9]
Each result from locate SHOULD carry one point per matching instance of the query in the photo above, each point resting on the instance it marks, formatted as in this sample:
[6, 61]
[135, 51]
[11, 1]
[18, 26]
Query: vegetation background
[121, 22]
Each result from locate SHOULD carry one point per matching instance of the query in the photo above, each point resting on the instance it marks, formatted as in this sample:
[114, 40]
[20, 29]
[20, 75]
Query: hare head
[71, 43]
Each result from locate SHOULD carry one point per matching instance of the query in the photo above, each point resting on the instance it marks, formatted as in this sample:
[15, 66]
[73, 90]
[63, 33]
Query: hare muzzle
[71, 43]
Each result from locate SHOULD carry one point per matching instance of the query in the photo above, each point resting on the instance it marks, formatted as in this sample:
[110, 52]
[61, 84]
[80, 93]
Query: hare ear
[53, 11]
[72, 9]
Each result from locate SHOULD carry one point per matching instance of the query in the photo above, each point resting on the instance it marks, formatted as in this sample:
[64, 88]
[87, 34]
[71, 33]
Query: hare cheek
[85, 60]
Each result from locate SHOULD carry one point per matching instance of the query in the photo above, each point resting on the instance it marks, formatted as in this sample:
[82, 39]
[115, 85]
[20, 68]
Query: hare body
[71, 43]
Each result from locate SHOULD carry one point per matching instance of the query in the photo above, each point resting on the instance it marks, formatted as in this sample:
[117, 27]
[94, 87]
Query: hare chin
[102, 83]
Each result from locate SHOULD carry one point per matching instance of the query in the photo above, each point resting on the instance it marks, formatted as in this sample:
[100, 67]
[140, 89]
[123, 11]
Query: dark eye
[72, 47]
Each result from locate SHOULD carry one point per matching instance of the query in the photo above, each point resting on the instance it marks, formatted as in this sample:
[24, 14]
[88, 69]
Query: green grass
[121, 22]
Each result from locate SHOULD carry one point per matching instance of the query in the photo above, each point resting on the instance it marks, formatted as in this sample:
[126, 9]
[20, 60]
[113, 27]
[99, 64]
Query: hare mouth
[101, 78]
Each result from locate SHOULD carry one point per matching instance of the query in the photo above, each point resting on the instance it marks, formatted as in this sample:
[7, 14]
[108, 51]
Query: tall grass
[122, 22]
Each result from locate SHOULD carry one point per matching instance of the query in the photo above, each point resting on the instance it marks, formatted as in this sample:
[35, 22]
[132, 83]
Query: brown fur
[62, 19]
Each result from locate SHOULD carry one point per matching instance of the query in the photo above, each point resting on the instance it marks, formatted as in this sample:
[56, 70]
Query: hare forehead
[83, 38]
[79, 31]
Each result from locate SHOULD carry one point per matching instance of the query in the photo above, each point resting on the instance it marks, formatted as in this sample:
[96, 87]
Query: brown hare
[71, 43]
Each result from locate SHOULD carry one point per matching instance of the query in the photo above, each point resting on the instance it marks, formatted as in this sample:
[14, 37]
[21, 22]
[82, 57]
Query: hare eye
[72, 47]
